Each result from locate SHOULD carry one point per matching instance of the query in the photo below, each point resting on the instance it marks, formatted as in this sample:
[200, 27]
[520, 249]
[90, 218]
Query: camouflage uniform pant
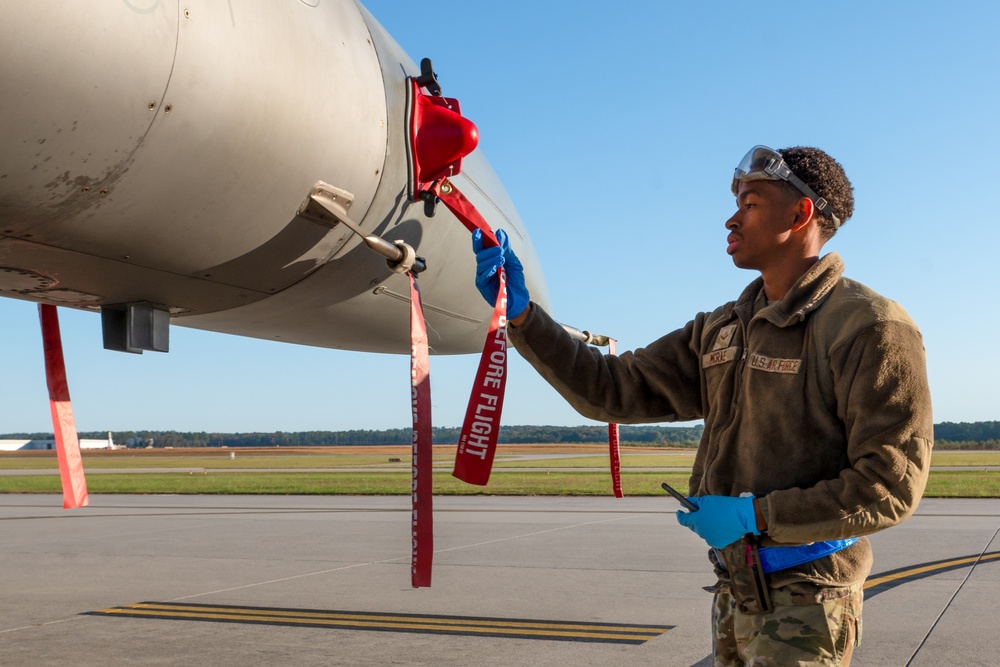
[810, 625]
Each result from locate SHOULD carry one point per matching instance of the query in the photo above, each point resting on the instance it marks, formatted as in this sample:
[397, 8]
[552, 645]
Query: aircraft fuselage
[158, 152]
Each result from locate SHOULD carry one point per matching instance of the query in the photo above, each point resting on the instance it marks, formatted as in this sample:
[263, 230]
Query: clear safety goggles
[763, 163]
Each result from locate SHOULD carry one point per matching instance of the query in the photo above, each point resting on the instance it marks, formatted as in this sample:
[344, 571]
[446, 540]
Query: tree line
[639, 435]
[947, 435]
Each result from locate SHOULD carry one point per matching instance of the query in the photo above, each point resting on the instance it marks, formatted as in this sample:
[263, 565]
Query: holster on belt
[741, 560]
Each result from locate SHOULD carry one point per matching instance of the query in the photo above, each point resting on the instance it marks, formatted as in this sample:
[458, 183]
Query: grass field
[563, 470]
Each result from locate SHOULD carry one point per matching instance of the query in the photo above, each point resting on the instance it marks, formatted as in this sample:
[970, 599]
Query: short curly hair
[827, 178]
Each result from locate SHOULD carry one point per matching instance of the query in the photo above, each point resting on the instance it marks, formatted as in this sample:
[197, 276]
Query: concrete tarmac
[582, 560]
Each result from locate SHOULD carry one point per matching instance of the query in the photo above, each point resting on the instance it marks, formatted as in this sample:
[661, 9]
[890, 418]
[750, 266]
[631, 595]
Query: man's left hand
[489, 259]
[720, 520]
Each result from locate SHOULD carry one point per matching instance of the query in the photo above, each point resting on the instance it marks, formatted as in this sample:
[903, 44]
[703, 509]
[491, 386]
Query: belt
[773, 559]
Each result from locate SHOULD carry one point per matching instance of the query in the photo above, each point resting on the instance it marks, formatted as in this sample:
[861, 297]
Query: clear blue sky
[616, 127]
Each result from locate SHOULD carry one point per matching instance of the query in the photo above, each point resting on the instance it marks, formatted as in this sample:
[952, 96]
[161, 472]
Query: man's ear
[803, 214]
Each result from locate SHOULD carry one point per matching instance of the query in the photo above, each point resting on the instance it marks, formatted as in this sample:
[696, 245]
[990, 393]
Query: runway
[295, 580]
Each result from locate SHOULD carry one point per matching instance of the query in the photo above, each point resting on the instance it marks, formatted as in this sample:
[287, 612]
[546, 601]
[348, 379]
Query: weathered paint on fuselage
[158, 152]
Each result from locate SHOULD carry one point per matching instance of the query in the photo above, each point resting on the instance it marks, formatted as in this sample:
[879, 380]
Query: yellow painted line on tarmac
[470, 625]
[453, 625]
[928, 569]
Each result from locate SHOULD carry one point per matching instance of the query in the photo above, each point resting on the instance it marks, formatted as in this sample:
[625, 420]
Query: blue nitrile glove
[489, 260]
[720, 520]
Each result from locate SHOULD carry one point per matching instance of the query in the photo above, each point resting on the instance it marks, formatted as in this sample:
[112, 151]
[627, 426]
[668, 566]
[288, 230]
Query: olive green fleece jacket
[818, 404]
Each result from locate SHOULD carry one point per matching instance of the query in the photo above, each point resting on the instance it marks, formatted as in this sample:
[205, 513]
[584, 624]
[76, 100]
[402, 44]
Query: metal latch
[329, 205]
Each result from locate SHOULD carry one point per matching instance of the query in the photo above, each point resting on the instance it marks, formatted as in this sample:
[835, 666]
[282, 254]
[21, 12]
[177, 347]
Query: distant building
[34, 445]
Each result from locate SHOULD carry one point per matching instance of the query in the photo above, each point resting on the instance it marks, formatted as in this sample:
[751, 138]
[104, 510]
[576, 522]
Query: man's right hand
[489, 260]
[720, 520]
